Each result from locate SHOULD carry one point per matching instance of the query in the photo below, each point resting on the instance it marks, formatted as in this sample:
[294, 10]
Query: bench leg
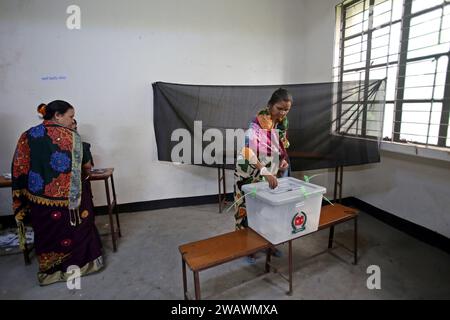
[356, 241]
[290, 267]
[26, 255]
[116, 210]
[197, 285]
[110, 214]
[268, 257]
[330, 238]
[224, 184]
[183, 263]
[220, 191]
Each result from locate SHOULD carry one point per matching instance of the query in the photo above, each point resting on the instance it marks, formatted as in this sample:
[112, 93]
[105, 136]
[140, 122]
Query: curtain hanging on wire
[330, 124]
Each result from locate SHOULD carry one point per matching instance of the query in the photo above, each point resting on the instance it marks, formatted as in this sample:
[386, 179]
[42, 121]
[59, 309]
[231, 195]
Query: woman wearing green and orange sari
[50, 188]
[264, 156]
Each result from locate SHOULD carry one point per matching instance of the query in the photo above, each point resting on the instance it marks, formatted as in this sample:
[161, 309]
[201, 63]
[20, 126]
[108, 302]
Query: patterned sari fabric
[48, 190]
[265, 142]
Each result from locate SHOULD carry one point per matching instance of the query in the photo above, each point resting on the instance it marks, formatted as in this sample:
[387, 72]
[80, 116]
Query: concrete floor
[147, 264]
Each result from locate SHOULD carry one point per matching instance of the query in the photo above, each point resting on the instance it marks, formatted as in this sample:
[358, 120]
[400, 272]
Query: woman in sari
[50, 188]
[264, 156]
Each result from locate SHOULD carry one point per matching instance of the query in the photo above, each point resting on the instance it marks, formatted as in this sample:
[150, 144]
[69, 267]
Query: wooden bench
[211, 252]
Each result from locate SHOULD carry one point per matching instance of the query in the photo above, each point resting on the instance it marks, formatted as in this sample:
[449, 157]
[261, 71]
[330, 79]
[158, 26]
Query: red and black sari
[48, 189]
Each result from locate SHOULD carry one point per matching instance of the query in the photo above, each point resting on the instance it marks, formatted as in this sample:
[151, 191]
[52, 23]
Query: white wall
[319, 39]
[413, 188]
[109, 65]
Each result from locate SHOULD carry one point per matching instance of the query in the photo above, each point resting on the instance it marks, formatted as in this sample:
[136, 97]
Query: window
[407, 42]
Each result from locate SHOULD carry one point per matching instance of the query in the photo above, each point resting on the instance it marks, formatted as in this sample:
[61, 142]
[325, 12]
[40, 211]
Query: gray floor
[147, 264]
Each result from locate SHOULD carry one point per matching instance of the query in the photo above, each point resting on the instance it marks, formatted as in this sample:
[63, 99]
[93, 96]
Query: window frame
[401, 63]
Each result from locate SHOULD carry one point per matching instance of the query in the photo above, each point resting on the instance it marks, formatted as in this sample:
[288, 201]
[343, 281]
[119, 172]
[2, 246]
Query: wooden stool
[105, 174]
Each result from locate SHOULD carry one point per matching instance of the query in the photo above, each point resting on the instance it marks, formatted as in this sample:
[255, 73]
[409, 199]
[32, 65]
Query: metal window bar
[359, 99]
[426, 111]
[411, 38]
[427, 86]
[419, 58]
[367, 74]
[408, 61]
[366, 81]
[363, 21]
[375, 5]
[387, 67]
[387, 24]
[401, 71]
[341, 72]
[443, 129]
[354, 103]
[419, 135]
[422, 123]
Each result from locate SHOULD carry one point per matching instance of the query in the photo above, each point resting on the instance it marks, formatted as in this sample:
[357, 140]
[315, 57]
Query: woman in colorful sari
[51, 188]
[264, 156]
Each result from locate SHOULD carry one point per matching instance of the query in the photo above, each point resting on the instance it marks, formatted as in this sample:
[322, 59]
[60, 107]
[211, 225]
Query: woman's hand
[273, 182]
[284, 165]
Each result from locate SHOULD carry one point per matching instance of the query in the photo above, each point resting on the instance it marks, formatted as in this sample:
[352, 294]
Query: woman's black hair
[48, 110]
[280, 95]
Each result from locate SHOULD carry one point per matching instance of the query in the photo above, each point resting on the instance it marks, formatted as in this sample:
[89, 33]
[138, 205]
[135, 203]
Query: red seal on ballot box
[299, 222]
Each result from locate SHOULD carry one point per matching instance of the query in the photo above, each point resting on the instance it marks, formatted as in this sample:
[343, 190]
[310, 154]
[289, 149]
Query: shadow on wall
[88, 134]
[9, 135]
[367, 179]
[288, 20]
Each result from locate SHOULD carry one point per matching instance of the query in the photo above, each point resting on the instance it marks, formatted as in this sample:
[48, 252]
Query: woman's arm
[20, 168]
[87, 160]
[250, 165]
[86, 169]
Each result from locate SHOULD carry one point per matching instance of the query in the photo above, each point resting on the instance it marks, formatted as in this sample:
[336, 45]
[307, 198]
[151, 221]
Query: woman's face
[65, 119]
[279, 110]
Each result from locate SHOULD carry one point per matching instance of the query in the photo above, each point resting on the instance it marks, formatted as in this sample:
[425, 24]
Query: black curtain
[330, 124]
